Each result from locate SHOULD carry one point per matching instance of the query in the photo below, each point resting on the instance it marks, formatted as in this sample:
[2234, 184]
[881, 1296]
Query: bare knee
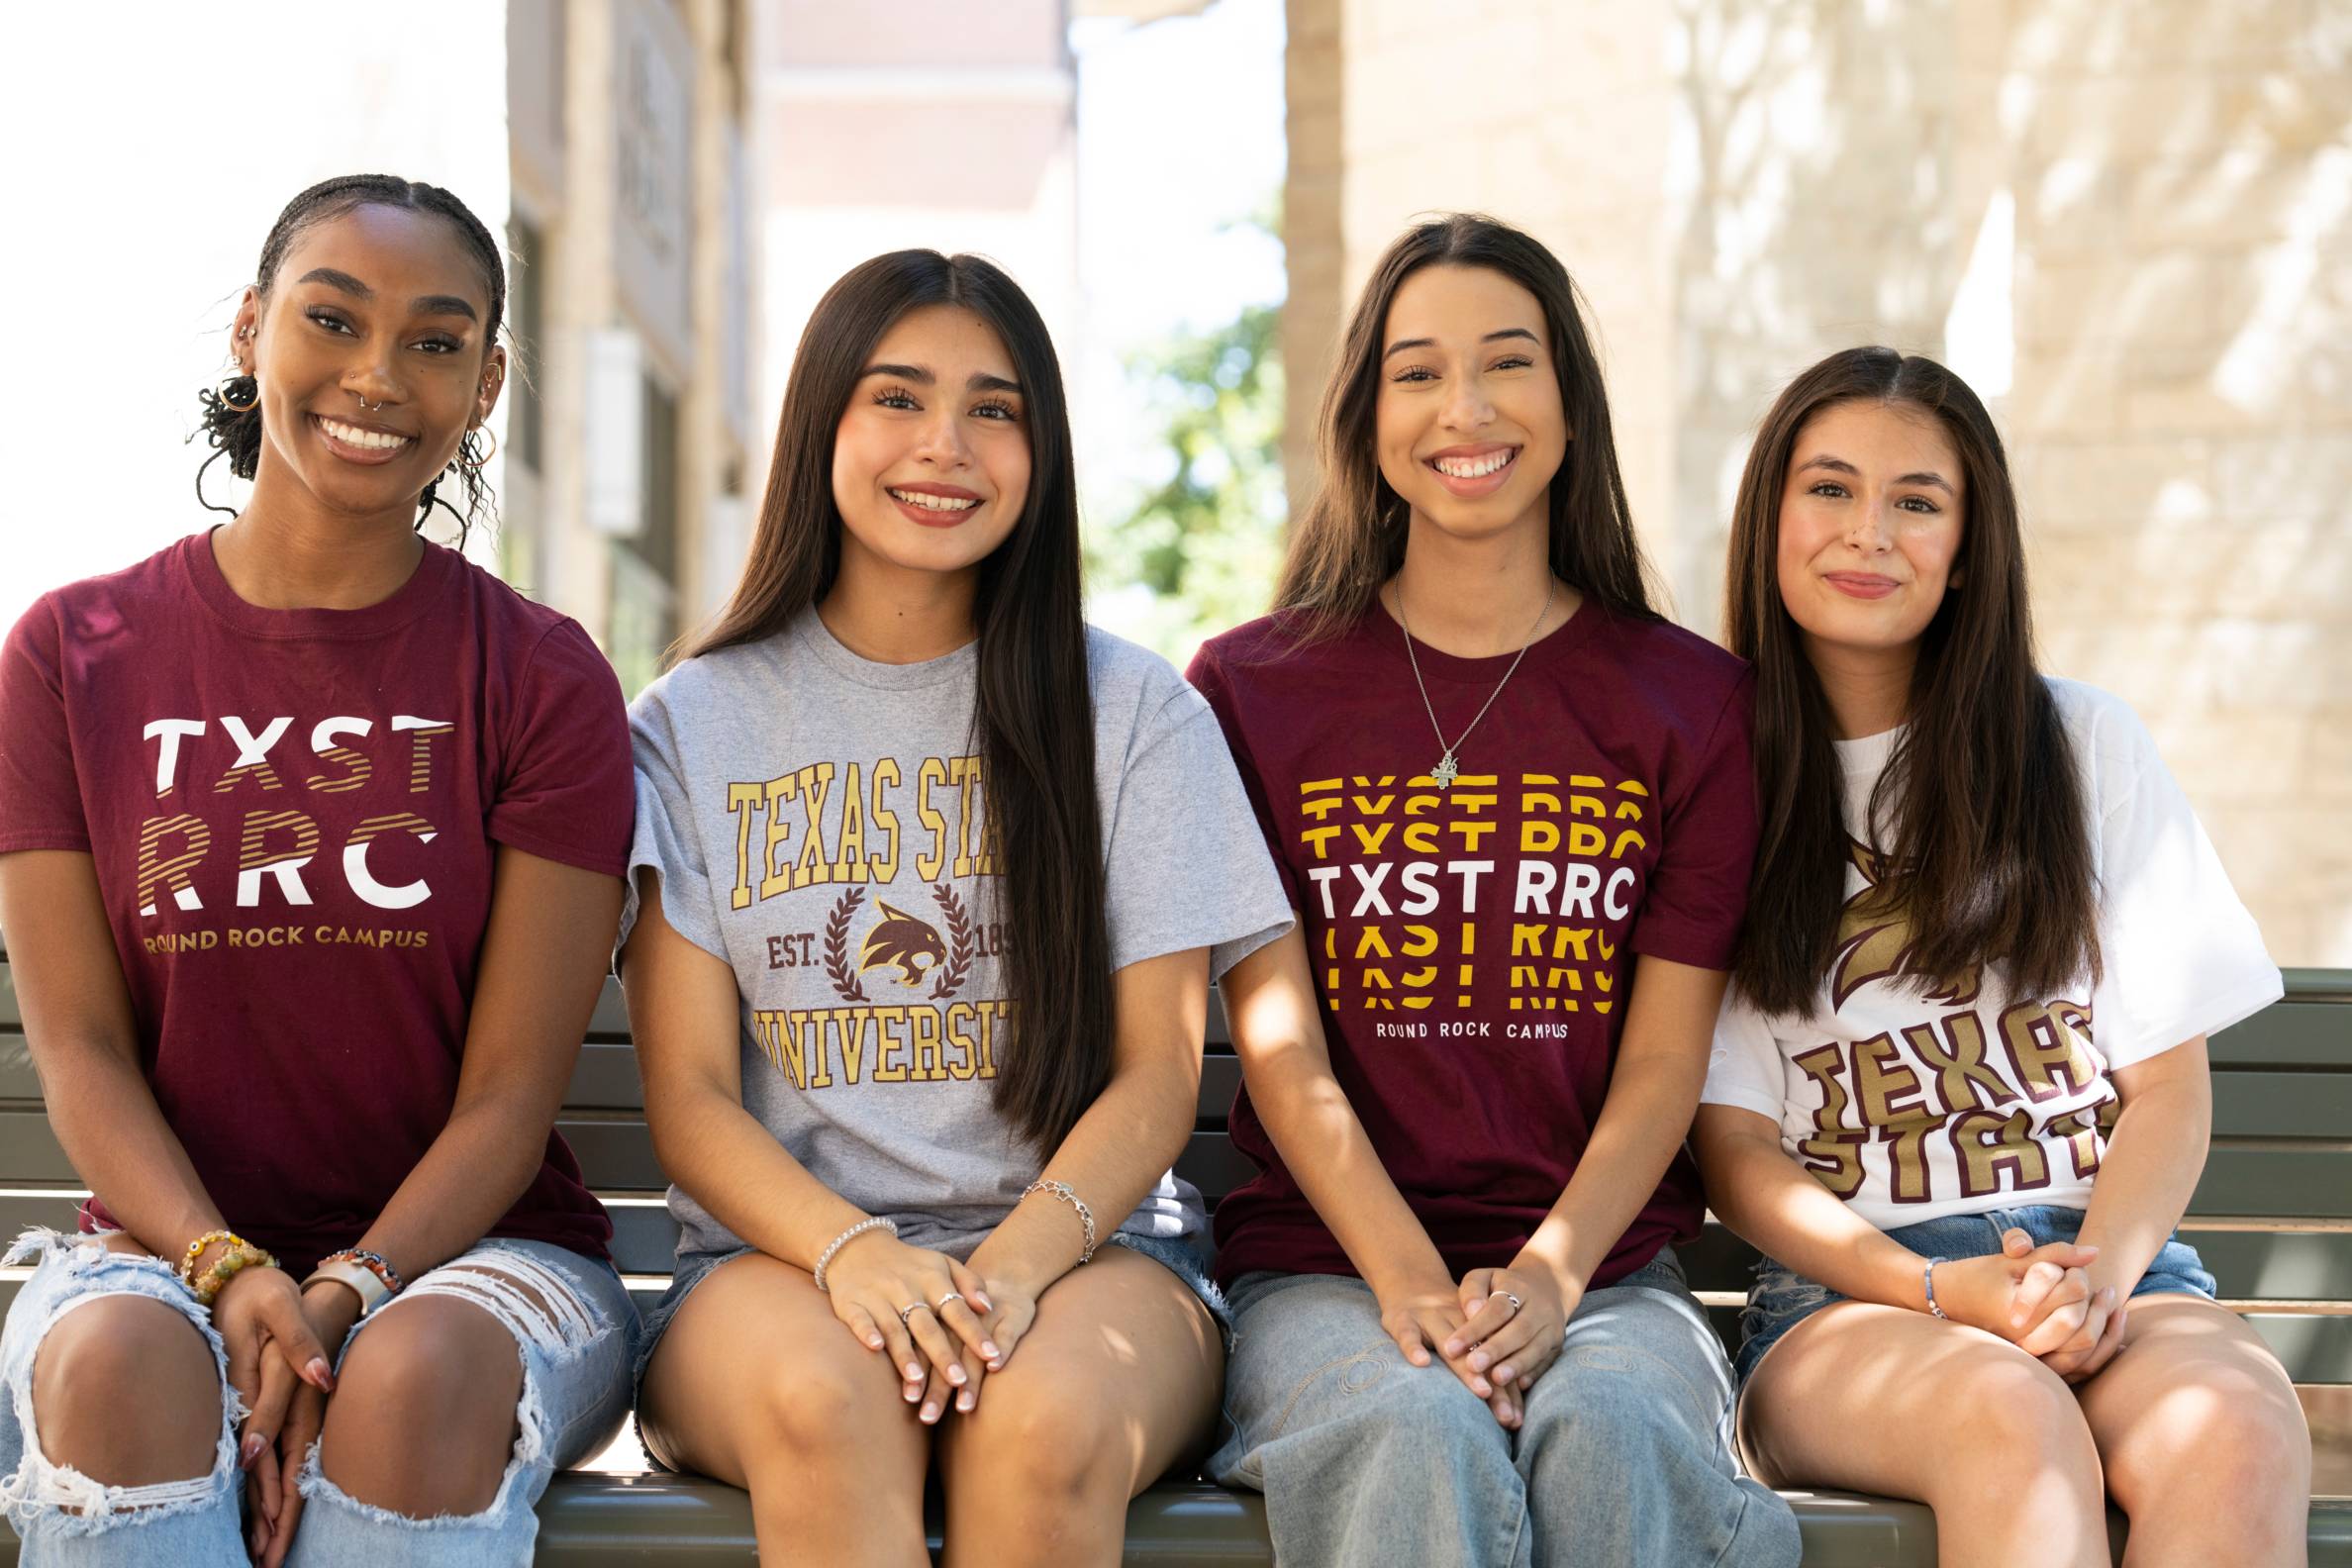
[1046, 1442]
[424, 1411]
[2209, 1453]
[125, 1391]
[819, 1409]
[2016, 1430]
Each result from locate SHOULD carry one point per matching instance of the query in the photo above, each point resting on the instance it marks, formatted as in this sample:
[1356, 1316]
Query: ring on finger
[1507, 1296]
[911, 1307]
[945, 1300]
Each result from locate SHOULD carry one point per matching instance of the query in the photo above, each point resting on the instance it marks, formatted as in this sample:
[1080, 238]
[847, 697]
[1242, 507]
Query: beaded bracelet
[187, 1262]
[374, 1262]
[824, 1259]
[1928, 1275]
[1068, 1195]
[240, 1254]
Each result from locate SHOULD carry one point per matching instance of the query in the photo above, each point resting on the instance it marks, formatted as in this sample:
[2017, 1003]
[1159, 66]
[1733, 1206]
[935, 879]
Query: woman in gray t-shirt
[928, 884]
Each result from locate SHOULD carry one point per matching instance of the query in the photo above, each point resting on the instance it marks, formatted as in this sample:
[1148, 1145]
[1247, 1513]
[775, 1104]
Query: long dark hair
[1034, 714]
[1351, 538]
[1988, 849]
[232, 420]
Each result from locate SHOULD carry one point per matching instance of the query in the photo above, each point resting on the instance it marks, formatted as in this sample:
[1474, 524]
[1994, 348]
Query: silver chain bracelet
[1068, 1195]
[824, 1259]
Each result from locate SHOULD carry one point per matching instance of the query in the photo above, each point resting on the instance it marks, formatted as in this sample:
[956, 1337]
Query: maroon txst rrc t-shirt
[1473, 947]
[292, 815]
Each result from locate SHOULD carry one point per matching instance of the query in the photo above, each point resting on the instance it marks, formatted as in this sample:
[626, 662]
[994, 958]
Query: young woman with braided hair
[310, 842]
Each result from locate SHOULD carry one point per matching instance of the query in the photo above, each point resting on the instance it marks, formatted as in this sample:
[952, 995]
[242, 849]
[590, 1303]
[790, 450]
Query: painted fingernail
[982, 1302]
[988, 1348]
[874, 1343]
[998, 1365]
[955, 1375]
[914, 1392]
[931, 1412]
[964, 1401]
[248, 1451]
[913, 1371]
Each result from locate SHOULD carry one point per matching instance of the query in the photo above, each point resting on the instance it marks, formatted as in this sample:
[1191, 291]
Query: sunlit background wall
[2130, 226]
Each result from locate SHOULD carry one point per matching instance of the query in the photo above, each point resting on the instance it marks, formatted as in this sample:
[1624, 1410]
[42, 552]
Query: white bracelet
[1064, 1191]
[355, 1277]
[824, 1259]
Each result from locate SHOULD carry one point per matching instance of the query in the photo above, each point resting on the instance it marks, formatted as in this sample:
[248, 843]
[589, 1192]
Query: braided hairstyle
[235, 433]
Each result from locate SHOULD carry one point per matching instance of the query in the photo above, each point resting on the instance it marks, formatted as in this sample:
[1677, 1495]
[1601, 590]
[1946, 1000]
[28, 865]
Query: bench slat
[2242, 1176]
[2288, 1033]
[2283, 1105]
[18, 1080]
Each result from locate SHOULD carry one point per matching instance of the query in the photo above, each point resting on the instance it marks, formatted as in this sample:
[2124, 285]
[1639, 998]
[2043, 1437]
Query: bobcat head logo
[1875, 940]
[904, 941]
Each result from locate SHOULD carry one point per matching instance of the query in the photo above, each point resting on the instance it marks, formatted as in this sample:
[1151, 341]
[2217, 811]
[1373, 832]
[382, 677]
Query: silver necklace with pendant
[1447, 768]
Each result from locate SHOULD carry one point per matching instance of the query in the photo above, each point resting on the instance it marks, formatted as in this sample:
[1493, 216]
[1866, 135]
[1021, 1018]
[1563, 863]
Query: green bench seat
[2272, 1216]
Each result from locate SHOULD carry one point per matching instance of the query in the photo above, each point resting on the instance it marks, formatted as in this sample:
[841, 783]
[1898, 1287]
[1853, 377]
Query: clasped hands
[276, 1334]
[2042, 1298]
[944, 1324]
[1497, 1329]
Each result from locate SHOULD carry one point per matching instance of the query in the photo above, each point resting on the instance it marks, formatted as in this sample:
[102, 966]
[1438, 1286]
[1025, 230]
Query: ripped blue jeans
[575, 1355]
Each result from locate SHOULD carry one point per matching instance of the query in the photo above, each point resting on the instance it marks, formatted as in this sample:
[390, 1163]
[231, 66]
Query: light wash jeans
[1624, 1457]
[575, 1394]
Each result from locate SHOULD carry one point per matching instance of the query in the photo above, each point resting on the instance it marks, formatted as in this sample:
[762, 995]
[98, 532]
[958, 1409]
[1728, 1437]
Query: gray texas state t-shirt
[816, 821]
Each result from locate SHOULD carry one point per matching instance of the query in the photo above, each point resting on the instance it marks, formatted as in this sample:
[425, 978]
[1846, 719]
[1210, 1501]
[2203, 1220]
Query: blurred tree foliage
[1198, 552]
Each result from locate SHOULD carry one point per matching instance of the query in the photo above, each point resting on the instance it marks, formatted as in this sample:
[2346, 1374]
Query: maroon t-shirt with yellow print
[1473, 944]
[293, 816]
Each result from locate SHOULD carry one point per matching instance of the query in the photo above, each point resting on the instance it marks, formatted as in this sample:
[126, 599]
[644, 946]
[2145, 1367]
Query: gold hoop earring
[229, 403]
[479, 457]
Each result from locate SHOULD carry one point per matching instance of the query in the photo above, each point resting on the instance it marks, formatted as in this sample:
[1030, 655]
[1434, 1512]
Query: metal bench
[2273, 1217]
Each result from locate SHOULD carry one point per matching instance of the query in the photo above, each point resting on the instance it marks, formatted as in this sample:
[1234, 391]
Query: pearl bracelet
[824, 1259]
[1068, 1195]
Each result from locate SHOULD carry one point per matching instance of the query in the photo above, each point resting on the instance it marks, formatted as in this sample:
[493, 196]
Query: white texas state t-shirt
[1912, 1100]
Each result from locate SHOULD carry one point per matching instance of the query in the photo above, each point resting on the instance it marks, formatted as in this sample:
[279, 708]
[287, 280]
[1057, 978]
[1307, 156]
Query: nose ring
[370, 407]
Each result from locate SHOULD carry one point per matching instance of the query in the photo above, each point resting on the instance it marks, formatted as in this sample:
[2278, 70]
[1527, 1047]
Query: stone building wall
[2130, 226]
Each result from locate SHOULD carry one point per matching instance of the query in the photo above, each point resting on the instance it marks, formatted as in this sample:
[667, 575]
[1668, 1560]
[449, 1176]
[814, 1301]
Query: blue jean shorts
[1184, 1256]
[1780, 1298]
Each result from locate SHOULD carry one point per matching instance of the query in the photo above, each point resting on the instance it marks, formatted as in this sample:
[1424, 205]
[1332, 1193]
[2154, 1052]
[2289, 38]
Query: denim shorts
[1780, 1298]
[1184, 1256]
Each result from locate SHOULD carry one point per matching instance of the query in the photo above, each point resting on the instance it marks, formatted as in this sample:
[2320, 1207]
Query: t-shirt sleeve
[1185, 864]
[1745, 1067]
[1696, 896]
[563, 789]
[39, 788]
[2181, 956]
[668, 841]
[1208, 676]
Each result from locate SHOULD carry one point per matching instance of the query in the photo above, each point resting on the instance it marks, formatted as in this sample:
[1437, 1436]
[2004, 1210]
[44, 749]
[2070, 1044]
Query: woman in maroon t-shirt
[310, 842]
[1495, 779]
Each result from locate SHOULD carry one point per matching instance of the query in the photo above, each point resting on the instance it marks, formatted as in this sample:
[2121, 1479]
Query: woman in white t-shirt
[1986, 941]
